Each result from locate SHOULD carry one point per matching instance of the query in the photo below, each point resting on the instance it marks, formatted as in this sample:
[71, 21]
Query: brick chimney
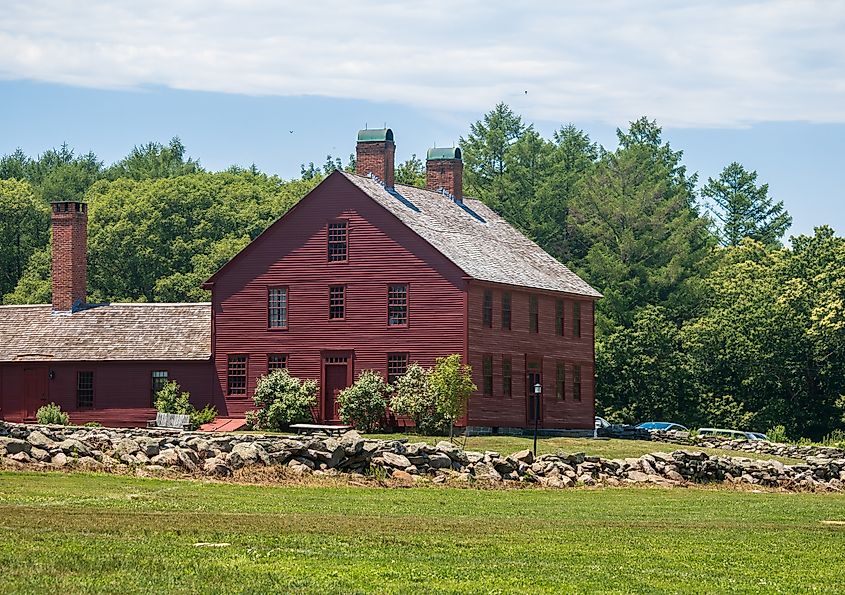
[70, 255]
[374, 154]
[444, 170]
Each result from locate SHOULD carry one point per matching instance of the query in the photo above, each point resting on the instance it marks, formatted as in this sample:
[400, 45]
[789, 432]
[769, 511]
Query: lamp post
[537, 390]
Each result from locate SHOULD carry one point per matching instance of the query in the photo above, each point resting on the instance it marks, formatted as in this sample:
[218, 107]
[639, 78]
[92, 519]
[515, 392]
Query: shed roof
[106, 332]
[475, 238]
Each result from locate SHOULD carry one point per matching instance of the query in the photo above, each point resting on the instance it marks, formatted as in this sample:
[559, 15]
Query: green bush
[200, 417]
[170, 399]
[52, 414]
[835, 439]
[777, 434]
[364, 404]
[451, 383]
[281, 400]
[413, 397]
[93, 424]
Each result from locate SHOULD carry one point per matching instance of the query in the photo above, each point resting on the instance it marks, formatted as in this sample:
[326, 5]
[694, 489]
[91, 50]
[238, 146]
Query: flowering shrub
[413, 397]
[282, 400]
[364, 404]
[170, 399]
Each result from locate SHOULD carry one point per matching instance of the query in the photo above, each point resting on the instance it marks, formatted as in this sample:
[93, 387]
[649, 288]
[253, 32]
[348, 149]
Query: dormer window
[337, 248]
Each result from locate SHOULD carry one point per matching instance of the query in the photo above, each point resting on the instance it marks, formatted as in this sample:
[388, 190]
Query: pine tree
[744, 210]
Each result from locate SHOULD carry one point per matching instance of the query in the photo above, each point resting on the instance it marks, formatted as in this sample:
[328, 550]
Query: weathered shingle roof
[106, 332]
[476, 239]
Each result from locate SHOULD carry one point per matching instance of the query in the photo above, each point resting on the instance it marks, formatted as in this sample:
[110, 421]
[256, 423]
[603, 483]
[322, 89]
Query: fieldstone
[11, 446]
[674, 475]
[39, 454]
[637, 476]
[20, 457]
[127, 446]
[473, 456]
[243, 454]
[439, 461]
[486, 471]
[395, 460]
[59, 459]
[40, 440]
[216, 467]
[402, 476]
[166, 458]
[523, 456]
[298, 468]
[149, 446]
[74, 447]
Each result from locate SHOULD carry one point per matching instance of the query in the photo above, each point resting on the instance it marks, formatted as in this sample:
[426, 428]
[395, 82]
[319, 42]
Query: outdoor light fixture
[537, 390]
[51, 374]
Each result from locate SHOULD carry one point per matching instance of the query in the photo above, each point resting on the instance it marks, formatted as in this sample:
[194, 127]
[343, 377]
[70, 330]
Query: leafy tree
[451, 383]
[364, 404]
[57, 174]
[411, 172]
[23, 230]
[281, 400]
[640, 236]
[743, 209]
[34, 285]
[642, 371]
[153, 161]
[413, 397]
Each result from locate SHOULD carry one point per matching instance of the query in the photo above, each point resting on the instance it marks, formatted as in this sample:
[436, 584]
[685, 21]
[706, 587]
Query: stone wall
[118, 450]
[756, 447]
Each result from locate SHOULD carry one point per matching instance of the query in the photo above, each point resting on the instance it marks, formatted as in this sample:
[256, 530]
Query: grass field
[611, 449]
[76, 533]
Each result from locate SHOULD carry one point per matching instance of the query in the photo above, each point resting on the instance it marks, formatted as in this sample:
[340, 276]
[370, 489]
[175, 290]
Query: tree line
[707, 319]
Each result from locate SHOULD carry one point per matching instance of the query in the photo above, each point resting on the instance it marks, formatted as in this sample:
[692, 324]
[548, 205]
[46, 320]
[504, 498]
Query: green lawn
[611, 449]
[72, 533]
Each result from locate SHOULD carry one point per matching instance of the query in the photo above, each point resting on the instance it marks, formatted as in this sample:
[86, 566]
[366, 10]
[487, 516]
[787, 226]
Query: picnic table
[320, 429]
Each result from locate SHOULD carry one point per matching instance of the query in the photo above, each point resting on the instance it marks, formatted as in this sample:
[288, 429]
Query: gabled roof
[476, 239]
[106, 332]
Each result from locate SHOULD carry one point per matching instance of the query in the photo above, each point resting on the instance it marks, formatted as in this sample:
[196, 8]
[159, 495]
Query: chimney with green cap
[444, 170]
[374, 154]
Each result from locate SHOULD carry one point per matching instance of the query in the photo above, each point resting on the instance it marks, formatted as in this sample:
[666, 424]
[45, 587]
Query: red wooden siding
[518, 343]
[122, 390]
[293, 253]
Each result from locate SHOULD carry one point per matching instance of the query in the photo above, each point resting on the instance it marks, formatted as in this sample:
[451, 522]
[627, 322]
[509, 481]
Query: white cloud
[702, 63]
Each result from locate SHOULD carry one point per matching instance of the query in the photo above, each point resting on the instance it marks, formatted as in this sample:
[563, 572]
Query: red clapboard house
[361, 274]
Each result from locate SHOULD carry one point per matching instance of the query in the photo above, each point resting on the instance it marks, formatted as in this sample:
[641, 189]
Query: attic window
[337, 241]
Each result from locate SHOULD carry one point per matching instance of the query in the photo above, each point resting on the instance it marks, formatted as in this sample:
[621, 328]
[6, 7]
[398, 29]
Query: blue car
[663, 425]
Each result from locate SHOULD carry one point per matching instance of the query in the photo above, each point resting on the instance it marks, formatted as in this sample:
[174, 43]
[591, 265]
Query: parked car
[663, 425]
[601, 423]
[732, 434]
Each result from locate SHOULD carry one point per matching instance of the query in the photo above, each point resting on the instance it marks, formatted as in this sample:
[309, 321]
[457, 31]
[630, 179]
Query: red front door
[35, 390]
[335, 379]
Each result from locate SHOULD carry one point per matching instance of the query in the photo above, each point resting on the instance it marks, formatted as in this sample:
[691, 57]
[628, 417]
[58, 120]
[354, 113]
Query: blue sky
[762, 83]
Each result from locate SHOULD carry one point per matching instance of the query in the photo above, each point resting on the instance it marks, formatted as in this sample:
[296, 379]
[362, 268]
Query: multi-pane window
[507, 376]
[560, 381]
[506, 310]
[559, 318]
[276, 361]
[488, 309]
[159, 379]
[84, 390]
[576, 319]
[236, 375]
[397, 365]
[397, 305]
[337, 299]
[277, 307]
[337, 241]
[533, 314]
[576, 383]
[487, 372]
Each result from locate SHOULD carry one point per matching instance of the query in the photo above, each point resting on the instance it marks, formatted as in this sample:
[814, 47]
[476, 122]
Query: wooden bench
[177, 421]
[318, 429]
